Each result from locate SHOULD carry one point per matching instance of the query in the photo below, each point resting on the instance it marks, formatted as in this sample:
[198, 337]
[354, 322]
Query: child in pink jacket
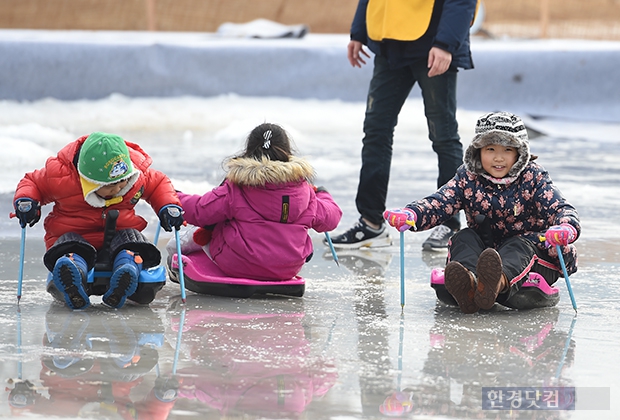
[260, 215]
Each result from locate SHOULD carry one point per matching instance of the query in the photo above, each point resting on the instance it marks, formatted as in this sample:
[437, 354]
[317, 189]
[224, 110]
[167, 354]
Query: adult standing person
[423, 41]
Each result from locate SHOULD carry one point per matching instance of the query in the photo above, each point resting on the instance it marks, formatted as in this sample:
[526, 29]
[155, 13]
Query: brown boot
[491, 279]
[461, 284]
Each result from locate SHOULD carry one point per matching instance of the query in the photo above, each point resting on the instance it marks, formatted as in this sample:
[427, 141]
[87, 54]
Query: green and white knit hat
[104, 159]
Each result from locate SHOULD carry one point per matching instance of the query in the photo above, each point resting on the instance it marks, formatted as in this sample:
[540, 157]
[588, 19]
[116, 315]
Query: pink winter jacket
[262, 213]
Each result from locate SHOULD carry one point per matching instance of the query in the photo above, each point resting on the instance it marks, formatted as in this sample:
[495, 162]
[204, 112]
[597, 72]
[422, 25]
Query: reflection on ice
[363, 262]
[346, 347]
[496, 348]
[343, 347]
[248, 361]
[466, 354]
[91, 365]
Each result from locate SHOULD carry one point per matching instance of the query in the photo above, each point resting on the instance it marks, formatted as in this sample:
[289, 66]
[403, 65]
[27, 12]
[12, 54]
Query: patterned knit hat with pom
[501, 128]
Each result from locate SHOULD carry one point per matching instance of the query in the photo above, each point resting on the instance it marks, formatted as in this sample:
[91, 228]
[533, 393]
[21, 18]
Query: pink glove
[563, 234]
[401, 219]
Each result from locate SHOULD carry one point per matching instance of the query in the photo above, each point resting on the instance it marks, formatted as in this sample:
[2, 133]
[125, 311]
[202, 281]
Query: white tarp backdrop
[543, 78]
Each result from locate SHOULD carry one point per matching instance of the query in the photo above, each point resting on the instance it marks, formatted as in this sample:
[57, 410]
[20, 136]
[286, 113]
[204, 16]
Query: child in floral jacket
[515, 216]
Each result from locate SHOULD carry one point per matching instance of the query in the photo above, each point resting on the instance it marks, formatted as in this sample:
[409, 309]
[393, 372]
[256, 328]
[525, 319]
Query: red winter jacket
[58, 182]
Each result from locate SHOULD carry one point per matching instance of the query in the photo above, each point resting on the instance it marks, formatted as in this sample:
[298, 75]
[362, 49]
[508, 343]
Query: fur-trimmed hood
[500, 128]
[258, 173]
[261, 215]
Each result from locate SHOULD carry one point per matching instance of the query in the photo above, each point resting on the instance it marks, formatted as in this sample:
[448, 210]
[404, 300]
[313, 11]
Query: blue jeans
[389, 88]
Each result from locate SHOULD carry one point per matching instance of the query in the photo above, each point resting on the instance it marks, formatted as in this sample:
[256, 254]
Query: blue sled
[151, 281]
[149, 275]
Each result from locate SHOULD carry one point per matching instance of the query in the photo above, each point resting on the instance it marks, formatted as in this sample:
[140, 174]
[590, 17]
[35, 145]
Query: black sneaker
[438, 239]
[362, 236]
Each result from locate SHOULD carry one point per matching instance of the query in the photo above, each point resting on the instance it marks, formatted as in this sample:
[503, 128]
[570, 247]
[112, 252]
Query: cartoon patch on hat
[119, 169]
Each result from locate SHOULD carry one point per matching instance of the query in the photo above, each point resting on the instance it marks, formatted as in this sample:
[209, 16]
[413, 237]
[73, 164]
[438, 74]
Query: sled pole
[331, 247]
[180, 261]
[568, 286]
[20, 275]
[402, 263]
[329, 337]
[566, 346]
[402, 270]
[157, 230]
[401, 335]
[178, 345]
[19, 344]
[558, 248]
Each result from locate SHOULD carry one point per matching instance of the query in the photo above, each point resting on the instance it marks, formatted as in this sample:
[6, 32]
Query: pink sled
[202, 275]
[534, 292]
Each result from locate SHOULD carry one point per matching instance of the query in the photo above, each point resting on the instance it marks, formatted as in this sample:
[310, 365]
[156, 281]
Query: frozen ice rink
[345, 350]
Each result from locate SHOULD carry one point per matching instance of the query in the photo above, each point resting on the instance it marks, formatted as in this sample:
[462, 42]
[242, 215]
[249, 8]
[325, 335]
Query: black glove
[166, 389]
[171, 216]
[28, 211]
[320, 189]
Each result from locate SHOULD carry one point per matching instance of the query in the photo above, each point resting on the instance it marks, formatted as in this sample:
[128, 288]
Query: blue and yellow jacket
[404, 31]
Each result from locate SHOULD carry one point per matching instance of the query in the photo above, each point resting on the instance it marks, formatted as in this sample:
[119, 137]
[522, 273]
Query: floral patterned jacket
[526, 207]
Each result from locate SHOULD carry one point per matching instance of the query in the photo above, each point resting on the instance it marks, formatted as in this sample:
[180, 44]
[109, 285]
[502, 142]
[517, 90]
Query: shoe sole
[368, 243]
[64, 280]
[458, 284]
[126, 286]
[489, 272]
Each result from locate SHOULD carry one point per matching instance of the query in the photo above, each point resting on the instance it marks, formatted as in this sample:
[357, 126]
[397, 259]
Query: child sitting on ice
[89, 178]
[260, 215]
[510, 203]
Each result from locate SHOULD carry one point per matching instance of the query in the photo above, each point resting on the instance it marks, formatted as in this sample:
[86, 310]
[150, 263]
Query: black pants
[388, 91]
[519, 258]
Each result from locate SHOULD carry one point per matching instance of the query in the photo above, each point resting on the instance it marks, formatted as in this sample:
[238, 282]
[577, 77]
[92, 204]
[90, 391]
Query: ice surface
[344, 348]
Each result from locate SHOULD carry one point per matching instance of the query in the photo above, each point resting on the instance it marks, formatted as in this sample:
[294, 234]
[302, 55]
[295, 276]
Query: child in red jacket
[88, 179]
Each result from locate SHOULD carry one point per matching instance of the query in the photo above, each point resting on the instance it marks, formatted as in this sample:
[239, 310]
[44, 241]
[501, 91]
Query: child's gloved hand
[171, 216]
[562, 234]
[28, 211]
[401, 219]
